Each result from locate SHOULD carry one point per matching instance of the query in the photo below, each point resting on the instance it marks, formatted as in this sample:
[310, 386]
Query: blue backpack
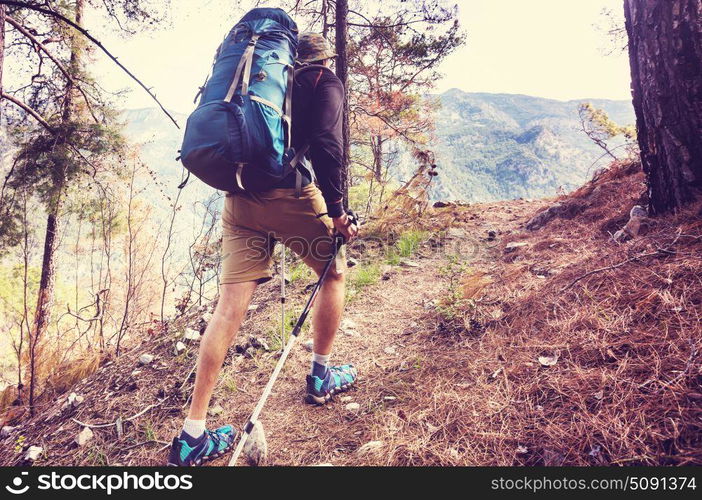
[238, 138]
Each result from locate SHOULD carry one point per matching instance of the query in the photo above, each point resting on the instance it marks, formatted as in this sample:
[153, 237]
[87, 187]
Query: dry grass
[627, 386]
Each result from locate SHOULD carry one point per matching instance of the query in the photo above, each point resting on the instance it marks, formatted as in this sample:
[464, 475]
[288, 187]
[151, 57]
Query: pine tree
[665, 53]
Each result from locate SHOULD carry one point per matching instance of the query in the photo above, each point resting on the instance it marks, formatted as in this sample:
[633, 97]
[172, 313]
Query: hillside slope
[504, 346]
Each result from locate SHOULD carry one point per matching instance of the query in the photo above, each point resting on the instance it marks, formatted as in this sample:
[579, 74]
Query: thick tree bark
[665, 53]
[342, 71]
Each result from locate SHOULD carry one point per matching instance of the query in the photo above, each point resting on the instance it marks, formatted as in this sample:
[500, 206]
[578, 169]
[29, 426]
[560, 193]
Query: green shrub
[366, 274]
[406, 246]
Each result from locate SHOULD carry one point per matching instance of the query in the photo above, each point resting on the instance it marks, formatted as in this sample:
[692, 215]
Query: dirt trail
[388, 321]
[302, 434]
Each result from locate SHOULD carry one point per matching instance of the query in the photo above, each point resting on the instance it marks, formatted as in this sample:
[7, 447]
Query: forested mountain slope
[503, 146]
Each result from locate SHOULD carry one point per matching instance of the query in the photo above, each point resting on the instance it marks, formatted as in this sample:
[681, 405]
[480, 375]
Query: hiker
[302, 216]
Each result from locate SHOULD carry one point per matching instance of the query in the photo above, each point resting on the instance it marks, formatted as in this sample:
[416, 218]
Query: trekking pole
[282, 295]
[338, 242]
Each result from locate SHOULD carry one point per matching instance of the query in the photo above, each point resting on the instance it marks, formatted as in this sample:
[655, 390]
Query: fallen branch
[92, 426]
[99, 426]
[659, 251]
[95, 41]
[150, 441]
[143, 411]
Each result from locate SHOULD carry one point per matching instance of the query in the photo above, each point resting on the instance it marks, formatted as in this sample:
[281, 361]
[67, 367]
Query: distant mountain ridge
[489, 146]
[505, 146]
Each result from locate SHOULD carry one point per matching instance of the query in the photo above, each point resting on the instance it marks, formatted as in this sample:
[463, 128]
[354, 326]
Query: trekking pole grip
[339, 238]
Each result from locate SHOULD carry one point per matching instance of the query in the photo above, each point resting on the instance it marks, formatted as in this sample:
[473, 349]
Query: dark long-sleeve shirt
[317, 121]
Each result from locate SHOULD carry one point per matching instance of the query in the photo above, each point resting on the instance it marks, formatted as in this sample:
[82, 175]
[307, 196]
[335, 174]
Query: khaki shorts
[252, 223]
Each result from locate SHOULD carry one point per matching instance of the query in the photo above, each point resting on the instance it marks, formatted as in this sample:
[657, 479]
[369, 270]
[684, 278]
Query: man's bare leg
[324, 380]
[328, 308]
[231, 309]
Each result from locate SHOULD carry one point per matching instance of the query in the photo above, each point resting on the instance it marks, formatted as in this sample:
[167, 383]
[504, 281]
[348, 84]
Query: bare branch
[28, 110]
[95, 41]
[388, 123]
[40, 46]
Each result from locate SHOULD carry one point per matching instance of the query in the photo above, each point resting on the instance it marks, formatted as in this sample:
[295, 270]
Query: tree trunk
[325, 18]
[665, 53]
[377, 148]
[45, 299]
[342, 71]
[2, 42]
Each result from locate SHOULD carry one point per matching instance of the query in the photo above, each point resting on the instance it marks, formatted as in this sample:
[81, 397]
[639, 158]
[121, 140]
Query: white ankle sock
[194, 428]
[320, 359]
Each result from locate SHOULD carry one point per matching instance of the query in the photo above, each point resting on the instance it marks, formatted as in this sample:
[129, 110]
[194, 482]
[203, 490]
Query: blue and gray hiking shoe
[336, 379]
[211, 445]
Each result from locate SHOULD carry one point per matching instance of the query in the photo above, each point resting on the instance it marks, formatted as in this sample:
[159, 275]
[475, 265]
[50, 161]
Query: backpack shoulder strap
[287, 107]
[244, 67]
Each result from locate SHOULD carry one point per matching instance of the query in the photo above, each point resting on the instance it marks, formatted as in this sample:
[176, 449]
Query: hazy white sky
[547, 48]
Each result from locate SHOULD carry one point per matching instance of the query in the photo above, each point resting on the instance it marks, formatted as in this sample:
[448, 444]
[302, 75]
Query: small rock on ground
[456, 232]
[348, 324]
[216, 410]
[192, 335]
[409, 263]
[6, 431]
[145, 359]
[33, 453]
[353, 407]
[511, 247]
[84, 436]
[258, 343]
[544, 217]
[443, 204]
[74, 400]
